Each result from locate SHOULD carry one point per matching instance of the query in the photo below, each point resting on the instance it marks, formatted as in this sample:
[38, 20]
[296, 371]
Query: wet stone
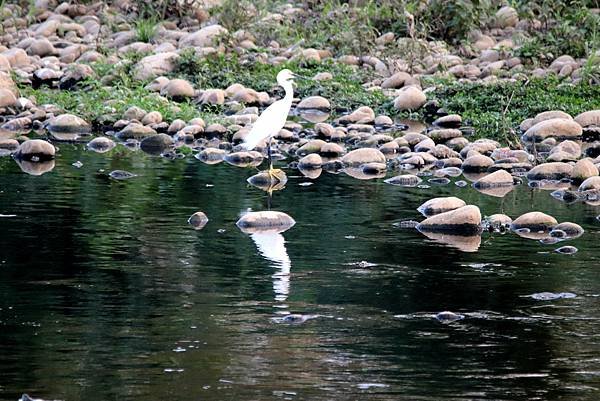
[404, 180]
[550, 296]
[121, 175]
[265, 221]
[198, 220]
[101, 144]
[448, 317]
[566, 250]
[440, 205]
[439, 181]
[211, 155]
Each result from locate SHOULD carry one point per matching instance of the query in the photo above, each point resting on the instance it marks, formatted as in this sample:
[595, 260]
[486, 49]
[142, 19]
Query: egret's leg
[269, 156]
[275, 174]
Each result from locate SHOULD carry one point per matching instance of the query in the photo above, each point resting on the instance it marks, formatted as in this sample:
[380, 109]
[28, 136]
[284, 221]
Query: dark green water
[106, 293]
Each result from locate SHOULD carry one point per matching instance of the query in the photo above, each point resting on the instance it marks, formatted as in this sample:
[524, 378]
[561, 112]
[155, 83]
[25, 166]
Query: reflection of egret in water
[271, 246]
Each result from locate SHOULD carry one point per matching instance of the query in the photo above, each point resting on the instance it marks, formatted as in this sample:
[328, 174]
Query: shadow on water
[107, 293]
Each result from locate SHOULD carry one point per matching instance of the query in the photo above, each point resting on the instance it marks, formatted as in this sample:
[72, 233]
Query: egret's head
[285, 76]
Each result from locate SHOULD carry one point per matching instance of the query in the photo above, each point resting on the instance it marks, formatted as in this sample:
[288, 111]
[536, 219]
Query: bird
[272, 120]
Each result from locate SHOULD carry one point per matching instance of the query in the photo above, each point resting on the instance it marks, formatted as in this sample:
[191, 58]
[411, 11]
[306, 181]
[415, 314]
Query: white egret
[272, 119]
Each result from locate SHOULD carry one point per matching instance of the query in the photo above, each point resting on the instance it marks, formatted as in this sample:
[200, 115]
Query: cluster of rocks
[55, 42]
[451, 221]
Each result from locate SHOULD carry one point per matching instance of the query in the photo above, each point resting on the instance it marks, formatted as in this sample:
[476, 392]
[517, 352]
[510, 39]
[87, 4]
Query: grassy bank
[494, 110]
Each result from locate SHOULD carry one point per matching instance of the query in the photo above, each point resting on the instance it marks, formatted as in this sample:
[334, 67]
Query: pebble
[566, 250]
[121, 175]
[448, 317]
[549, 296]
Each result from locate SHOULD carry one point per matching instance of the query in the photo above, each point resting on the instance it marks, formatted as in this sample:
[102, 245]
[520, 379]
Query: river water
[106, 293]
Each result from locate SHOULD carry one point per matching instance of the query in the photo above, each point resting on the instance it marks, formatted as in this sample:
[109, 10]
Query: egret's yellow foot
[276, 174]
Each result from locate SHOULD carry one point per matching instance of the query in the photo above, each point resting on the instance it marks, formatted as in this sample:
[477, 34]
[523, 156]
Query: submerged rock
[362, 156]
[566, 250]
[550, 171]
[310, 161]
[156, 144]
[198, 220]
[477, 163]
[244, 159]
[69, 123]
[534, 221]
[265, 221]
[101, 144]
[373, 168]
[570, 230]
[35, 150]
[465, 220]
[497, 222]
[500, 178]
[448, 317]
[211, 155]
[549, 296]
[121, 175]
[404, 180]
[267, 182]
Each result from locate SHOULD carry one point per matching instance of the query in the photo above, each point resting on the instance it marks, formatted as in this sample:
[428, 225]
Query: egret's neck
[289, 91]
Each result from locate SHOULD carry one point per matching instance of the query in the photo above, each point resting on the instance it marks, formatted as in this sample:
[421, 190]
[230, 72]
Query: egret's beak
[301, 77]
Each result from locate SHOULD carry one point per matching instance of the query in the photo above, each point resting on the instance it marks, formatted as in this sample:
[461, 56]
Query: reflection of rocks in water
[312, 173]
[466, 243]
[360, 173]
[497, 192]
[69, 136]
[35, 168]
[271, 245]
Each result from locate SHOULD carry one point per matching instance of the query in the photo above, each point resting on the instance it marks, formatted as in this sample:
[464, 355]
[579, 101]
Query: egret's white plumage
[273, 118]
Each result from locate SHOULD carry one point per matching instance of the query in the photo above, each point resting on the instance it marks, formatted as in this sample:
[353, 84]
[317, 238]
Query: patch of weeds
[566, 28]
[95, 100]
[496, 110]
[344, 91]
[145, 29]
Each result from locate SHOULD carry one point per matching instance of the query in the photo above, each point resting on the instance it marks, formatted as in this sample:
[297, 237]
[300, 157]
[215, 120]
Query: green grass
[496, 110]
[344, 91]
[145, 29]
